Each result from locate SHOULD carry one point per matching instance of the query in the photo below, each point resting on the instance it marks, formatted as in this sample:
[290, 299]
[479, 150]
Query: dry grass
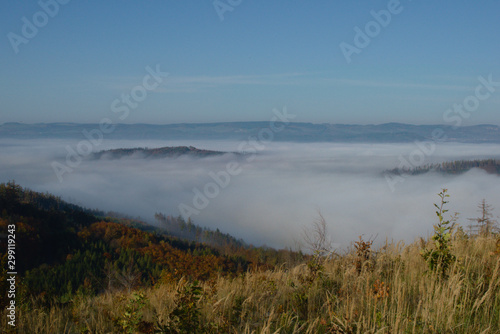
[393, 292]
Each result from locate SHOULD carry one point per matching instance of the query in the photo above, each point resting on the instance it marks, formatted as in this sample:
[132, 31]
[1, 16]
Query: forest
[491, 166]
[160, 152]
[87, 271]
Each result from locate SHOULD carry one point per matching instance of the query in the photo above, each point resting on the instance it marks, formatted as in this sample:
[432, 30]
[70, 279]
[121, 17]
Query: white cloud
[274, 196]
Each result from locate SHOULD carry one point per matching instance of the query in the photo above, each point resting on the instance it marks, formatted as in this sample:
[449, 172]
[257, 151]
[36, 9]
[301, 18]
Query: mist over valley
[271, 194]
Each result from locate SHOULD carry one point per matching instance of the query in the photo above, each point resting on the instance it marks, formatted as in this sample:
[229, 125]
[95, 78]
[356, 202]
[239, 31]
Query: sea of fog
[271, 196]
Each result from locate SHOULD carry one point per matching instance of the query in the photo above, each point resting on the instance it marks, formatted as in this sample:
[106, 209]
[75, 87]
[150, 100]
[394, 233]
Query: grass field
[390, 290]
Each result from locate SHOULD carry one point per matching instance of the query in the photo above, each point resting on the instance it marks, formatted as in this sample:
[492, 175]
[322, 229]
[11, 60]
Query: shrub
[185, 318]
[440, 258]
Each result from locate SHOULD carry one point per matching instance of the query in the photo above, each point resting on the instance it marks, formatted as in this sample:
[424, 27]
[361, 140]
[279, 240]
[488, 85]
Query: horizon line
[233, 122]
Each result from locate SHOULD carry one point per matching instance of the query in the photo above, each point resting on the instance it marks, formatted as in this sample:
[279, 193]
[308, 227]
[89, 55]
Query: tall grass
[392, 292]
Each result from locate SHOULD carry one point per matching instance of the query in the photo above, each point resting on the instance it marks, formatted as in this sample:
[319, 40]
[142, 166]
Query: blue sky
[262, 55]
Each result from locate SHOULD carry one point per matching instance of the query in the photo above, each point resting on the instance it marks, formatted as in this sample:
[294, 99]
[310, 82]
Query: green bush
[440, 258]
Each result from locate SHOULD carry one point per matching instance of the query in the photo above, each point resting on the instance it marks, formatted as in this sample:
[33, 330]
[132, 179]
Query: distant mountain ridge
[295, 131]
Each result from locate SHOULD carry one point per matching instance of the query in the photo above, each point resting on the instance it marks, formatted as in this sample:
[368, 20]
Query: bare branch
[316, 237]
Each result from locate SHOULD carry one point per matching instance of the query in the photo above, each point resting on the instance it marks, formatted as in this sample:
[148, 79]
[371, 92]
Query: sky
[237, 60]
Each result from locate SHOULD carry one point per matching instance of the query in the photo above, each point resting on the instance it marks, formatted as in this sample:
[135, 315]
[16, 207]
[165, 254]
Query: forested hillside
[80, 271]
[491, 166]
[62, 248]
[160, 152]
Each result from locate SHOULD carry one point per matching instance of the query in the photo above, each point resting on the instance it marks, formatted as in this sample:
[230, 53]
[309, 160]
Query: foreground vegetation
[449, 283]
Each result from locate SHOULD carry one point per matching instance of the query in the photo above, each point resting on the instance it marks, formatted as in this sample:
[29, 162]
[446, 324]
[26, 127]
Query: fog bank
[272, 196]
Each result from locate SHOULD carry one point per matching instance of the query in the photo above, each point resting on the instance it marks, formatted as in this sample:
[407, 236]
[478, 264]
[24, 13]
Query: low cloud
[274, 196]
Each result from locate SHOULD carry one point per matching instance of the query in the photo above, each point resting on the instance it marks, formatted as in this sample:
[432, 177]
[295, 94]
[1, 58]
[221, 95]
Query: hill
[293, 131]
[491, 166]
[161, 152]
[61, 248]
[81, 273]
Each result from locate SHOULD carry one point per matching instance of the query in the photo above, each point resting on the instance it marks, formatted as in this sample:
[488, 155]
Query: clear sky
[261, 55]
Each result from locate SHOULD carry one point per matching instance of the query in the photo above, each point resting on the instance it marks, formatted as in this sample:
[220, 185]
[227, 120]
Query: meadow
[388, 290]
